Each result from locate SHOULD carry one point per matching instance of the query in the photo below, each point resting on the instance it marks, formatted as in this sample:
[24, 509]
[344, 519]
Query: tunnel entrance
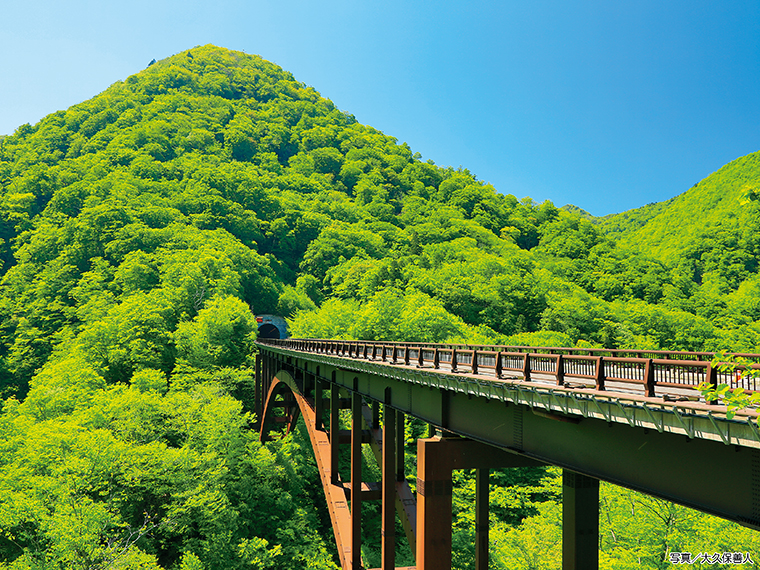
[272, 326]
[268, 330]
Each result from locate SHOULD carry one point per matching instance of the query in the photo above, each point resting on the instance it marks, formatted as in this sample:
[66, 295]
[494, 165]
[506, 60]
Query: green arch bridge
[633, 418]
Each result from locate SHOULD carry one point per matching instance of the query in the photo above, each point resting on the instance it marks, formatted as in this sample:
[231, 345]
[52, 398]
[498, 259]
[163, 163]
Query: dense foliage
[141, 229]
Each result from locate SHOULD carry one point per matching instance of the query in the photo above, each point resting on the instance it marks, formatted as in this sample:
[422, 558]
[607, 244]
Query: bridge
[632, 418]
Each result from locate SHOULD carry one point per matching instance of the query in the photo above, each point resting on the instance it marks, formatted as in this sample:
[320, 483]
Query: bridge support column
[356, 481]
[308, 383]
[388, 540]
[258, 399]
[400, 442]
[436, 458]
[406, 505]
[580, 522]
[481, 519]
[433, 505]
[266, 375]
[334, 432]
[319, 403]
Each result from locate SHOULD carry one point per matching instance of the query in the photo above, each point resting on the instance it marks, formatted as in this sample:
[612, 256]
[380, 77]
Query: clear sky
[608, 105]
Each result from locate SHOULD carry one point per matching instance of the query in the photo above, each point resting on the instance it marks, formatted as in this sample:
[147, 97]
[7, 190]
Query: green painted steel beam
[634, 443]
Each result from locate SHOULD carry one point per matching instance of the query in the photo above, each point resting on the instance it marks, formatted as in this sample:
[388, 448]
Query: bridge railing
[613, 352]
[653, 373]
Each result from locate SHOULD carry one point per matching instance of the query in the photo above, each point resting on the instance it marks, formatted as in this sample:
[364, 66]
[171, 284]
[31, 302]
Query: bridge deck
[634, 433]
[665, 406]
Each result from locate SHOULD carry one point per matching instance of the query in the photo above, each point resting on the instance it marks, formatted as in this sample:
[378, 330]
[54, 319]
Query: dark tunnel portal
[268, 330]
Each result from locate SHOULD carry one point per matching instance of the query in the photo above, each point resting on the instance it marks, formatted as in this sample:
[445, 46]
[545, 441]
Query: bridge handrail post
[526, 366]
[649, 380]
[711, 377]
[600, 376]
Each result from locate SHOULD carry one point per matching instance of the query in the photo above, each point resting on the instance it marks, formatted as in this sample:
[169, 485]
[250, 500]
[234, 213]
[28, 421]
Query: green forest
[142, 230]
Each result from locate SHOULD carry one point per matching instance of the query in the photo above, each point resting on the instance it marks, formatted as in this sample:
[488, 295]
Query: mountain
[573, 209]
[721, 211]
[619, 226]
[214, 174]
[709, 235]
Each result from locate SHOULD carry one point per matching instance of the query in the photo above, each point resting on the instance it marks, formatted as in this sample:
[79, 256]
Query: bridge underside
[674, 467]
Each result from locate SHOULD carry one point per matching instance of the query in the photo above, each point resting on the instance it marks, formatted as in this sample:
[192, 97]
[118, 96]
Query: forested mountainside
[573, 209]
[619, 226]
[213, 174]
[714, 225]
[142, 228]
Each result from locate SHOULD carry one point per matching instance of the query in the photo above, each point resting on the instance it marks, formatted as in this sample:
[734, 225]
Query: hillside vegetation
[141, 231]
[620, 226]
[718, 213]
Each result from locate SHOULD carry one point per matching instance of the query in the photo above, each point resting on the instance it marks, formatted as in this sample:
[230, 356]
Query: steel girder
[661, 450]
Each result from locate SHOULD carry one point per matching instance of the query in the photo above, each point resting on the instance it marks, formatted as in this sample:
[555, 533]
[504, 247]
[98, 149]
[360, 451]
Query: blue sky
[605, 105]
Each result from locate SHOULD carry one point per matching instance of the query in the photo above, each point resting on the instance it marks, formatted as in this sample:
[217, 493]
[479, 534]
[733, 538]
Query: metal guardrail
[652, 373]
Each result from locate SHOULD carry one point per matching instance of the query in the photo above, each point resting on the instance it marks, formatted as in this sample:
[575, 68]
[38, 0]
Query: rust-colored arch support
[283, 384]
[289, 402]
[426, 517]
